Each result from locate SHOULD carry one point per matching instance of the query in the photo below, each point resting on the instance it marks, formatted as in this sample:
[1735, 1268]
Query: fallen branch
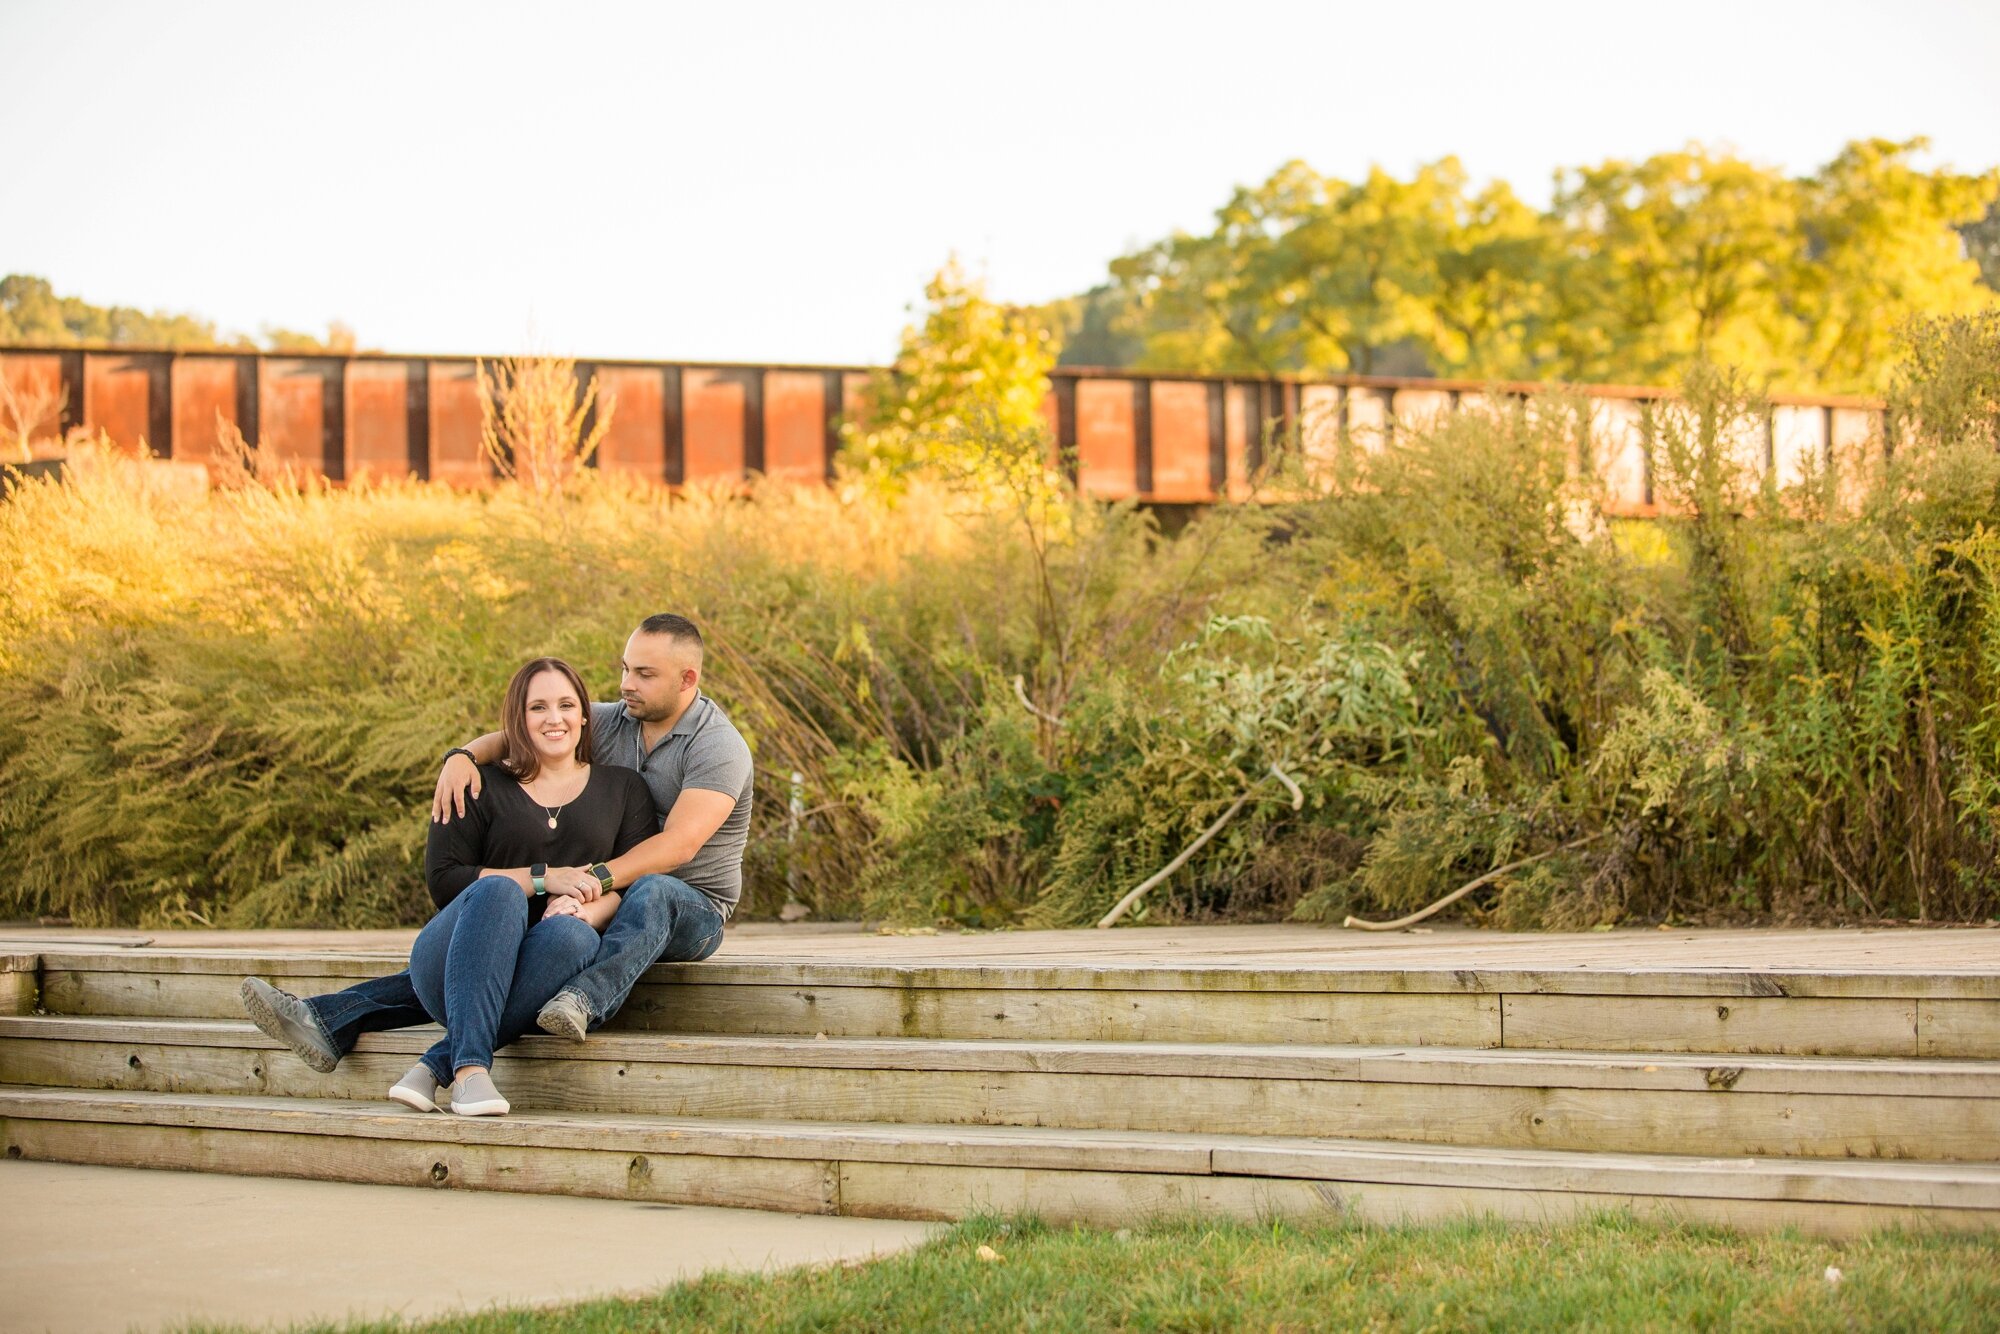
[1021, 693]
[1420, 914]
[1139, 891]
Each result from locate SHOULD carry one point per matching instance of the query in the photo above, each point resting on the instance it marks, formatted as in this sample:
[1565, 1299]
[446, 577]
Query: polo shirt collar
[697, 713]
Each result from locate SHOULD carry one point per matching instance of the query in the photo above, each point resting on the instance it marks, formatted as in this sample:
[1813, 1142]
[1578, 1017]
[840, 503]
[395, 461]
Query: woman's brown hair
[521, 758]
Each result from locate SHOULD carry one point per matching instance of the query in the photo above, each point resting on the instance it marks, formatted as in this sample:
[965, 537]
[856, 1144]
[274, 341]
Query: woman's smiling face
[554, 716]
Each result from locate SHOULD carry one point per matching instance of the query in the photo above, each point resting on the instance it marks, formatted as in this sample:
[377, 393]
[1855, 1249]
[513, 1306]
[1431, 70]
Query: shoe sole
[276, 1027]
[560, 1024]
[491, 1107]
[412, 1099]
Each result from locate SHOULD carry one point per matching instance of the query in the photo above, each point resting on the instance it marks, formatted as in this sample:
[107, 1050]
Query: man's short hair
[677, 628]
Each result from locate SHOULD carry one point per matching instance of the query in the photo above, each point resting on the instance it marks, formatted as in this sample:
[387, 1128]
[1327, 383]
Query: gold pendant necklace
[554, 811]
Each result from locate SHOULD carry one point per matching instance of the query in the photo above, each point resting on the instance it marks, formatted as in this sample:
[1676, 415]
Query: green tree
[1684, 257]
[32, 314]
[1886, 250]
[973, 366]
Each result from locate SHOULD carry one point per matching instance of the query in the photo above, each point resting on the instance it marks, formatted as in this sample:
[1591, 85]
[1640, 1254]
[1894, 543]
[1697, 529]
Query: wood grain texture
[1940, 1185]
[19, 993]
[1721, 1120]
[790, 1185]
[1533, 1068]
[1959, 1029]
[1109, 1199]
[1818, 1026]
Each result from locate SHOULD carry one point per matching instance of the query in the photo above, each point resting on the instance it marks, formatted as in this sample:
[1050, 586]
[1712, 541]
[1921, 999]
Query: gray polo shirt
[703, 751]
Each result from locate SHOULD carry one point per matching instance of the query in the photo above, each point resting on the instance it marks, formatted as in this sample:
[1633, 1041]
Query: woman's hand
[563, 907]
[458, 775]
[574, 882]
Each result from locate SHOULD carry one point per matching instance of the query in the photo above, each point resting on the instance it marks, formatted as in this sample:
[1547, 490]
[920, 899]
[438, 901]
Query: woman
[500, 946]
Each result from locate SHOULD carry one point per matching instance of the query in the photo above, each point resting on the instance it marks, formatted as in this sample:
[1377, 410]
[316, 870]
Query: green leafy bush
[1007, 704]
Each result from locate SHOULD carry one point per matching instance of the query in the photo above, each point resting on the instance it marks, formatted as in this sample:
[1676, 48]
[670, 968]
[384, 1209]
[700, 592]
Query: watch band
[604, 876]
[459, 750]
[539, 873]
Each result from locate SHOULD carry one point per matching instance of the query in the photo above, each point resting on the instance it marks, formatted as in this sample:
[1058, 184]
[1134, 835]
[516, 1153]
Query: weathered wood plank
[168, 995]
[888, 1190]
[1531, 1067]
[1922, 1185]
[1624, 1120]
[1488, 975]
[20, 991]
[791, 1185]
[1107, 1151]
[895, 1189]
[1962, 1029]
[1817, 1026]
[1436, 1019]
[1919, 1184]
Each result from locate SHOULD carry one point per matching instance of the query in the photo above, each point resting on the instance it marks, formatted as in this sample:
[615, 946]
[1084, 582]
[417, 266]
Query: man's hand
[575, 882]
[458, 774]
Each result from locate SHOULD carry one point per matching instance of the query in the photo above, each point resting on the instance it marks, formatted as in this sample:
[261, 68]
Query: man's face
[655, 672]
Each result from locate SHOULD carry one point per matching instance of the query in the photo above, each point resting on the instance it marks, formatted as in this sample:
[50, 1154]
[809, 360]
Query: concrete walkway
[112, 1248]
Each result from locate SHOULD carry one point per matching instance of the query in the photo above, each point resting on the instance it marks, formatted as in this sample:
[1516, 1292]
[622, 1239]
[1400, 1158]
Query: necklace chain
[555, 812]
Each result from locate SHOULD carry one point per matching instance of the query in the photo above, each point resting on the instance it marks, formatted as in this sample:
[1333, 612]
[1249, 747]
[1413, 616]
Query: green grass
[1608, 1273]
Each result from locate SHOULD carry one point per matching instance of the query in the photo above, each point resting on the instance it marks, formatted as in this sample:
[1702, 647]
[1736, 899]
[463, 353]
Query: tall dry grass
[1010, 705]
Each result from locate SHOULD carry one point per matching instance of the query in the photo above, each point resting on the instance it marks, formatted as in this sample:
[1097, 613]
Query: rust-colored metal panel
[795, 413]
[636, 441]
[291, 413]
[1180, 441]
[713, 404]
[202, 388]
[118, 398]
[1106, 450]
[35, 379]
[378, 420]
[456, 456]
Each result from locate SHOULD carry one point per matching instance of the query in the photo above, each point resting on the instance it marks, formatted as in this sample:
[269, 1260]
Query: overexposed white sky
[774, 181]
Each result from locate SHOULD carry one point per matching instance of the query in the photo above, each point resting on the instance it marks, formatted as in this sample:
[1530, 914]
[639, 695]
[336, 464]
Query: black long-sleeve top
[504, 826]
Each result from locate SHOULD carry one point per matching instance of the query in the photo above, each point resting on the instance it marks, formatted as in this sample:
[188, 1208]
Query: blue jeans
[484, 974]
[660, 920]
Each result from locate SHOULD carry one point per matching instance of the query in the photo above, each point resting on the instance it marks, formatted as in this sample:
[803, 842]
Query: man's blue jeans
[484, 974]
[660, 920]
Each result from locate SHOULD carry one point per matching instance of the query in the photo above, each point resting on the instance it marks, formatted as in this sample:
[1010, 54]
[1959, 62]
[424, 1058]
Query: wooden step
[1607, 1101]
[1718, 1010]
[947, 1172]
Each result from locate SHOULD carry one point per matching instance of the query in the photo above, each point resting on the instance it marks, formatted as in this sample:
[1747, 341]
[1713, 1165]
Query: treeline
[33, 315]
[1635, 271]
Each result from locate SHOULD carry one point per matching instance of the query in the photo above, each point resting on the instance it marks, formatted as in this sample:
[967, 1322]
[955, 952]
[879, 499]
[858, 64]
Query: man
[675, 891]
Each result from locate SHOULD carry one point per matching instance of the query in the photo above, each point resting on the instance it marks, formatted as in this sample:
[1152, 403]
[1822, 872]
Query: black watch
[539, 873]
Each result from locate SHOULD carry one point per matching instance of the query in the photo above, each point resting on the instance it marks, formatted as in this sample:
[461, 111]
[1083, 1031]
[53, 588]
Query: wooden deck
[1911, 950]
[1828, 1080]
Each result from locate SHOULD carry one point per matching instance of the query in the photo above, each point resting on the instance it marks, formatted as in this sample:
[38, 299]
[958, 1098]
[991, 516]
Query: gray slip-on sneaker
[418, 1089]
[285, 1018]
[566, 1015]
[473, 1094]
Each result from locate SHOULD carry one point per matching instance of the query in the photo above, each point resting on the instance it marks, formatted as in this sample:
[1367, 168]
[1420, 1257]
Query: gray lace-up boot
[285, 1018]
